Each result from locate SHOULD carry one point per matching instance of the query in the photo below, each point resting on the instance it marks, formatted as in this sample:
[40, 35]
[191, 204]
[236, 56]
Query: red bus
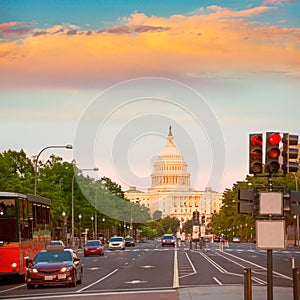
[24, 224]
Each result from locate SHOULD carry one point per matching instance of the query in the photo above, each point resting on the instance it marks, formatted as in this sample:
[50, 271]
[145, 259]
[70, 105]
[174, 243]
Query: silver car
[116, 242]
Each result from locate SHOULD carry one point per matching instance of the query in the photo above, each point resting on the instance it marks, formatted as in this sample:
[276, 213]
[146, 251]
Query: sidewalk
[232, 292]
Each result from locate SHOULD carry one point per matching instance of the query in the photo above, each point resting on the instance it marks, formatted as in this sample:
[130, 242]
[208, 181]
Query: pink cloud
[13, 29]
[137, 28]
[227, 13]
[277, 2]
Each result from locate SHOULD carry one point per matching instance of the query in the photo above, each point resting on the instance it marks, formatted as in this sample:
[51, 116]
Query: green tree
[170, 224]
[16, 172]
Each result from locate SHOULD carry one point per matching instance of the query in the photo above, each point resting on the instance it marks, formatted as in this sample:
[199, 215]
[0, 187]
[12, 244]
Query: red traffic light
[255, 153]
[274, 139]
[272, 152]
[256, 140]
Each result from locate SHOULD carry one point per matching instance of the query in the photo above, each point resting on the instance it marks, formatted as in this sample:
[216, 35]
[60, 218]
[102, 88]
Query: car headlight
[65, 269]
[34, 270]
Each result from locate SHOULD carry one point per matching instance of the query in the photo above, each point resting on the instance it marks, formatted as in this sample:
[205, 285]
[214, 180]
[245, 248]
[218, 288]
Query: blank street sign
[270, 234]
[270, 203]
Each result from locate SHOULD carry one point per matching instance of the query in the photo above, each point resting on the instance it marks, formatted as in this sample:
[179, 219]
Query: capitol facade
[170, 193]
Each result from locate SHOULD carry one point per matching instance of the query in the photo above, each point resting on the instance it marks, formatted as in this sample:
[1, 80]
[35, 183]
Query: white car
[236, 239]
[116, 242]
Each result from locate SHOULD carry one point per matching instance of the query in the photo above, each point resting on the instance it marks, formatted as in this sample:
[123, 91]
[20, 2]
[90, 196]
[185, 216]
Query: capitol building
[170, 193]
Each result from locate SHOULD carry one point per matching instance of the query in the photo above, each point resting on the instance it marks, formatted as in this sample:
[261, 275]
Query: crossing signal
[289, 154]
[255, 153]
[249, 203]
[272, 152]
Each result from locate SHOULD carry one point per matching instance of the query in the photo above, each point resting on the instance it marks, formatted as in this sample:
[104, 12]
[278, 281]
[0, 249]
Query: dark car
[129, 242]
[168, 239]
[54, 266]
[93, 247]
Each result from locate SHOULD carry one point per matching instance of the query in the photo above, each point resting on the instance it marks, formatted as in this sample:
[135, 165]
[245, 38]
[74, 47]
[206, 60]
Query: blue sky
[111, 76]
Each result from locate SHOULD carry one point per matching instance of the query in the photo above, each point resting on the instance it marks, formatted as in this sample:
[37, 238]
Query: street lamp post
[65, 226]
[96, 225]
[37, 159]
[79, 217]
[72, 221]
[92, 218]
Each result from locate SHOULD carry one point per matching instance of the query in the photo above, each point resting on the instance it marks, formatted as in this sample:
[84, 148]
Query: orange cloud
[221, 40]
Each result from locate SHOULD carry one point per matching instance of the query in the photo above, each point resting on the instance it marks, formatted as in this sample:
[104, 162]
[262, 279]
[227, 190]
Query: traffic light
[272, 152]
[255, 153]
[196, 217]
[203, 219]
[289, 154]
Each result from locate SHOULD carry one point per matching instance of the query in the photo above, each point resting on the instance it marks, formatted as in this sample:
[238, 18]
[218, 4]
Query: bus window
[8, 207]
[8, 232]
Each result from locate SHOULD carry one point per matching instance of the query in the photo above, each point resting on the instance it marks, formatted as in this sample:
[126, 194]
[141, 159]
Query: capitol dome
[170, 169]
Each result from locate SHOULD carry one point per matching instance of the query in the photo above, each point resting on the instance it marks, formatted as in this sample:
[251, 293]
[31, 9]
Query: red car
[54, 266]
[93, 247]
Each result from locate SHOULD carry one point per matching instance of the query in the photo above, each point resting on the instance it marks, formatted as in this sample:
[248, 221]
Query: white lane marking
[191, 263]
[13, 288]
[191, 266]
[34, 297]
[217, 281]
[175, 272]
[135, 281]
[88, 286]
[256, 265]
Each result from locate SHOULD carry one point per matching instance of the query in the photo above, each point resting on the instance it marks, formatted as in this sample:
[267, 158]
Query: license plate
[48, 277]
[62, 276]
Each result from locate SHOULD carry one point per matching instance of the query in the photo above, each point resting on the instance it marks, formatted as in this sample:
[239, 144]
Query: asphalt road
[150, 270]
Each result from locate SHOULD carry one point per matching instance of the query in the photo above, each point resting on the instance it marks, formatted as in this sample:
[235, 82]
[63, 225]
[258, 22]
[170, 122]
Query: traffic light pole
[270, 254]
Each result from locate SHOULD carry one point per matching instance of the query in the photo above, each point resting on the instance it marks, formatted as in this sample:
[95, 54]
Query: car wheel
[74, 278]
[81, 277]
[30, 286]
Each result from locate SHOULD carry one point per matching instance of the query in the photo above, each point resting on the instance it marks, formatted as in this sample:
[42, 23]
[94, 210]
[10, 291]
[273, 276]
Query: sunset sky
[110, 77]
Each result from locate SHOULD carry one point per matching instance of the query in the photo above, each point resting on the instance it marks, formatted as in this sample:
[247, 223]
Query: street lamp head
[80, 216]
[69, 146]
[92, 218]
[63, 213]
[96, 169]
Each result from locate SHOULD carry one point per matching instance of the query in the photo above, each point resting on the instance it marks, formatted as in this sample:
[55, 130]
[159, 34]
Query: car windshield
[53, 257]
[93, 243]
[116, 239]
[56, 243]
[168, 237]
[129, 239]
